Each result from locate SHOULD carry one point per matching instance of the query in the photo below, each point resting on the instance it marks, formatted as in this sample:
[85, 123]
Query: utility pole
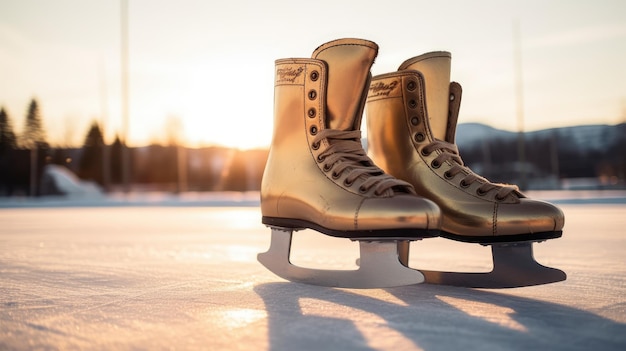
[125, 108]
[106, 161]
[519, 94]
[34, 161]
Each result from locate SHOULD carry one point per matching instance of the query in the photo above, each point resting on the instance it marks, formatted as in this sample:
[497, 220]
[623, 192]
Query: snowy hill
[470, 134]
[581, 138]
[58, 180]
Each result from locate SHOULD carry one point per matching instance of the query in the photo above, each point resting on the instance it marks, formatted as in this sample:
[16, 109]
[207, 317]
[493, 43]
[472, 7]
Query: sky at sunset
[202, 71]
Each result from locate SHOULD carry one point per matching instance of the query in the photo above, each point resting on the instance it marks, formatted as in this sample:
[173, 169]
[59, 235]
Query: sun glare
[204, 104]
[228, 127]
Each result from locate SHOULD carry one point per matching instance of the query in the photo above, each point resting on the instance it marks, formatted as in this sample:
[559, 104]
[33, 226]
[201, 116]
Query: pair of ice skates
[412, 183]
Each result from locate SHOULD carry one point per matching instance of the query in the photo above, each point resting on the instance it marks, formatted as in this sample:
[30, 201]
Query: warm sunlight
[217, 85]
[286, 175]
[241, 318]
[212, 102]
[492, 313]
[243, 122]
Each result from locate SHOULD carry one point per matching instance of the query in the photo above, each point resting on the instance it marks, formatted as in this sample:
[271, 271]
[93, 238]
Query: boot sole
[487, 240]
[374, 234]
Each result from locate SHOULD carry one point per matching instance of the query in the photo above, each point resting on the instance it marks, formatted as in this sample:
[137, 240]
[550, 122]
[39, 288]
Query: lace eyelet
[419, 137]
[464, 184]
[498, 198]
[327, 167]
[346, 182]
[411, 86]
[480, 192]
[415, 120]
[412, 103]
[425, 153]
[314, 75]
[313, 130]
[312, 94]
[362, 190]
[435, 164]
[320, 158]
[315, 145]
[447, 175]
[335, 175]
[312, 112]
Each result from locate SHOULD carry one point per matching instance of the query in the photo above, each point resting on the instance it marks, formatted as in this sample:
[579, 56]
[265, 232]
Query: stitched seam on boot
[356, 214]
[345, 44]
[495, 219]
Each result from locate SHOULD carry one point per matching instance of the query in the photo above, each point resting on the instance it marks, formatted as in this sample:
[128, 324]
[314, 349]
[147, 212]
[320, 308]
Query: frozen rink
[160, 274]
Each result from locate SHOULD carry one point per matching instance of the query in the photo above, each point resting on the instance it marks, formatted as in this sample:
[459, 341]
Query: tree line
[171, 167]
[550, 158]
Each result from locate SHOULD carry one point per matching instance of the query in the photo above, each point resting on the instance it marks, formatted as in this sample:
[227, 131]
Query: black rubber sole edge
[503, 239]
[376, 234]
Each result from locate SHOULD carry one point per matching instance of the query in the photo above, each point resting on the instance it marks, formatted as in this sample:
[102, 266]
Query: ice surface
[186, 277]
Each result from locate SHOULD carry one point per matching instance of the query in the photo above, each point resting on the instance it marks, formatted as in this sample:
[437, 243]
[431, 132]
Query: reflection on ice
[240, 318]
[239, 218]
[240, 253]
[492, 313]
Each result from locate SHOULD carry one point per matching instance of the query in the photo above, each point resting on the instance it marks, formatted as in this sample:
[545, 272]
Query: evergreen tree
[8, 140]
[91, 161]
[34, 135]
[9, 165]
[94, 136]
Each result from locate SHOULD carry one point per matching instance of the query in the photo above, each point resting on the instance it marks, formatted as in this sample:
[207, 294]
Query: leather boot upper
[403, 142]
[317, 173]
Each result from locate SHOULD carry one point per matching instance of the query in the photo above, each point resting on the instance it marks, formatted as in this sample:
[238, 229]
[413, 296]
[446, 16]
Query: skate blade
[379, 266]
[513, 266]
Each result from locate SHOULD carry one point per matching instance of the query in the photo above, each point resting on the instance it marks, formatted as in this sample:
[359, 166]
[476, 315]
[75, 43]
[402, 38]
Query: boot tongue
[349, 62]
[435, 67]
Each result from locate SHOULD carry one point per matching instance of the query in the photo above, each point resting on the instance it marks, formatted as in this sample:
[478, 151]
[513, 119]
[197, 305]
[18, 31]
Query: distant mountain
[581, 138]
[472, 134]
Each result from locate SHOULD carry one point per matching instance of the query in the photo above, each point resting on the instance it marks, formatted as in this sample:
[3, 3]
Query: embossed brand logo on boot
[288, 74]
[382, 89]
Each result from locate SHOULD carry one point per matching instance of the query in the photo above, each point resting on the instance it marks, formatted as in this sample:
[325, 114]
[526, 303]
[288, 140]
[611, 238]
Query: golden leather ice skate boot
[411, 121]
[317, 174]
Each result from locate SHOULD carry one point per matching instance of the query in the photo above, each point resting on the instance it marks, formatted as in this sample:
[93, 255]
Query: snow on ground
[156, 272]
[69, 184]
